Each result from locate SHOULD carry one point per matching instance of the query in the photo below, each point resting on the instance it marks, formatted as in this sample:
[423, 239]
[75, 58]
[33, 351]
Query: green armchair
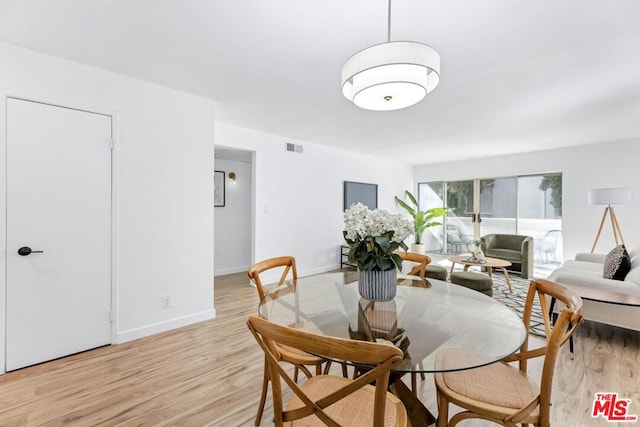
[516, 249]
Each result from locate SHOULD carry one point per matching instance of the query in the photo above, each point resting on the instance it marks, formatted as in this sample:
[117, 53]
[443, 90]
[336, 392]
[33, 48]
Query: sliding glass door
[459, 220]
[497, 206]
[459, 197]
[529, 205]
[540, 216]
[431, 195]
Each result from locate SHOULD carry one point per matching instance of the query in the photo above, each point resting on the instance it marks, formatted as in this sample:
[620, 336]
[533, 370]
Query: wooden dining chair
[300, 360]
[287, 263]
[420, 266]
[328, 399]
[504, 393]
[418, 269]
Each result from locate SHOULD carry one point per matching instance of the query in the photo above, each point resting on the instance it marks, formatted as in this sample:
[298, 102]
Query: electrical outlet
[166, 301]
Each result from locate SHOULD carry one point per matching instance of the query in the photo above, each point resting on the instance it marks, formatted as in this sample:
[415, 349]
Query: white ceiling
[224, 153]
[517, 75]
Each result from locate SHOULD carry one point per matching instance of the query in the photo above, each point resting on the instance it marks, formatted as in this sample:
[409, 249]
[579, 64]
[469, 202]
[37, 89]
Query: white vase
[418, 248]
[377, 285]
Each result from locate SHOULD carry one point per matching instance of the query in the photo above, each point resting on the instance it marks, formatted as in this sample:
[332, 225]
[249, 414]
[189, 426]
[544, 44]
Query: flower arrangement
[374, 236]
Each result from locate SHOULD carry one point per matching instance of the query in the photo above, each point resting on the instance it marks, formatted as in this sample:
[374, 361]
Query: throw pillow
[617, 263]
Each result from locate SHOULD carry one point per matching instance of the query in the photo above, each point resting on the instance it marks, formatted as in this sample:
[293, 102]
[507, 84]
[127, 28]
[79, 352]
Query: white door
[58, 202]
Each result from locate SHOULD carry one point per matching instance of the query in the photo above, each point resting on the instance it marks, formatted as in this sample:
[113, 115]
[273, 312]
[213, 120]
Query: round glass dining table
[429, 320]
[422, 321]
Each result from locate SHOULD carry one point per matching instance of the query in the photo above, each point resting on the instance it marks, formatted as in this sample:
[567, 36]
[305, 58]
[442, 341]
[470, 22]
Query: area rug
[516, 300]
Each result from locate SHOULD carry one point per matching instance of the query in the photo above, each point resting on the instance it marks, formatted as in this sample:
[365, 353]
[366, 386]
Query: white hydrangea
[361, 222]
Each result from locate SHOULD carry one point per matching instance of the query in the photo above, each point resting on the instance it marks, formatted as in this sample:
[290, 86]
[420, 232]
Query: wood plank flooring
[209, 374]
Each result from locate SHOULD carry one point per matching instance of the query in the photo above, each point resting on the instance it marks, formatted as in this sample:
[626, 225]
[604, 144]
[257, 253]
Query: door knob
[26, 250]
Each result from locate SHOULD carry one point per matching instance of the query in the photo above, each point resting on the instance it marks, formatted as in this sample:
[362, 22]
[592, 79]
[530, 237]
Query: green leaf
[397, 261]
[421, 219]
[385, 264]
[406, 207]
[384, 241]
[412, 198]
[367, 265]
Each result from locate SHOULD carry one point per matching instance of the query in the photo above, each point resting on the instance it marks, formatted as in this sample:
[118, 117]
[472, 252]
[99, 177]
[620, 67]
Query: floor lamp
[608, 197]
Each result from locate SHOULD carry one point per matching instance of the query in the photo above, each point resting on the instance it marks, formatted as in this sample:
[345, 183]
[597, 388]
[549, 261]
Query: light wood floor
[210, 374]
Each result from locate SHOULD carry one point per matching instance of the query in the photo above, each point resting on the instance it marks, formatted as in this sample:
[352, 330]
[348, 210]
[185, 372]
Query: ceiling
[225, 153]
[516, 75]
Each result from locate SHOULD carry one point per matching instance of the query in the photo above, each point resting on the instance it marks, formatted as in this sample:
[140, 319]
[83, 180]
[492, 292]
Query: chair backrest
[553, 236]
[556, 333]
[421, 263]
[504, 241]
[381, 357]
[288, 262]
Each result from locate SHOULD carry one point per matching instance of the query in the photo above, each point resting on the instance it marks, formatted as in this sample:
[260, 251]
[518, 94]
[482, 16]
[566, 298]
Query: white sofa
[586, 271]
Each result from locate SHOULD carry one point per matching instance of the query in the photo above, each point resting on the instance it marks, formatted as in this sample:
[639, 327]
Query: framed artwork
[361, 192]
[218, 188]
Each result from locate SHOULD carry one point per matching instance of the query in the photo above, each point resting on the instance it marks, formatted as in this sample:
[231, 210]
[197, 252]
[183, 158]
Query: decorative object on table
[391, 75]
[421, 220]
[608, 197]
[475, 248]
[373, 237]
[218, 188]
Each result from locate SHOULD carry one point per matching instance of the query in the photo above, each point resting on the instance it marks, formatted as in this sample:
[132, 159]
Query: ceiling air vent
[294, 148]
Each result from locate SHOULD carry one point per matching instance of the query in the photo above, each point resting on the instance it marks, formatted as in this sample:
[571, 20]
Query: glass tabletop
[422, 321]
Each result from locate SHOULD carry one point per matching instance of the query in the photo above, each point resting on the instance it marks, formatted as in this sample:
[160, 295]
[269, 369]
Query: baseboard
[168, 325]
[230, 270]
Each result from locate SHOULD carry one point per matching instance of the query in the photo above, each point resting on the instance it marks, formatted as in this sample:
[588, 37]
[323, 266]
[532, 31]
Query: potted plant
[421, 220]
[373, 237]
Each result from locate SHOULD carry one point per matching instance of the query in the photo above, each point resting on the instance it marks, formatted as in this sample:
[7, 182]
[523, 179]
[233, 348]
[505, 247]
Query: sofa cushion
[617, 263]
[507, 254]
[633, 276]
[593, 279]
[634, 254]
[509, 241]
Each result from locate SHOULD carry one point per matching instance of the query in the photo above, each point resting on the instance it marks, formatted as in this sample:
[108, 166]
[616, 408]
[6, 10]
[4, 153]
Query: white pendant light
[391, 75]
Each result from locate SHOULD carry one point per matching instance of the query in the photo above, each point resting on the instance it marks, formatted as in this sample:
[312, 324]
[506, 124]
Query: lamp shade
[391, 76]
[610, 196]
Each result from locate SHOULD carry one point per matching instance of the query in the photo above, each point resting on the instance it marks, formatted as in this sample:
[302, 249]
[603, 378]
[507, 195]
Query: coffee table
[489, 263]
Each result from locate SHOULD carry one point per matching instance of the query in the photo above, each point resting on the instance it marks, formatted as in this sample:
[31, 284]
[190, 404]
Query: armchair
[457, 239]
[547, 246]
[516, 249]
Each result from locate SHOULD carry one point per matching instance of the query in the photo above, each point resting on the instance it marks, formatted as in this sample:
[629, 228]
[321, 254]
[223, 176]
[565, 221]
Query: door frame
[115, 164]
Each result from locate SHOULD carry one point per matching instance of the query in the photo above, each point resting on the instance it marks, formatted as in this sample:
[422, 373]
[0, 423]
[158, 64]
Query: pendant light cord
[389, 23]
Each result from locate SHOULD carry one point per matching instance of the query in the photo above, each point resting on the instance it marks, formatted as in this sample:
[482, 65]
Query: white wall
[163, 183]
[233, 221]
[614, 164]
[298, 197]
